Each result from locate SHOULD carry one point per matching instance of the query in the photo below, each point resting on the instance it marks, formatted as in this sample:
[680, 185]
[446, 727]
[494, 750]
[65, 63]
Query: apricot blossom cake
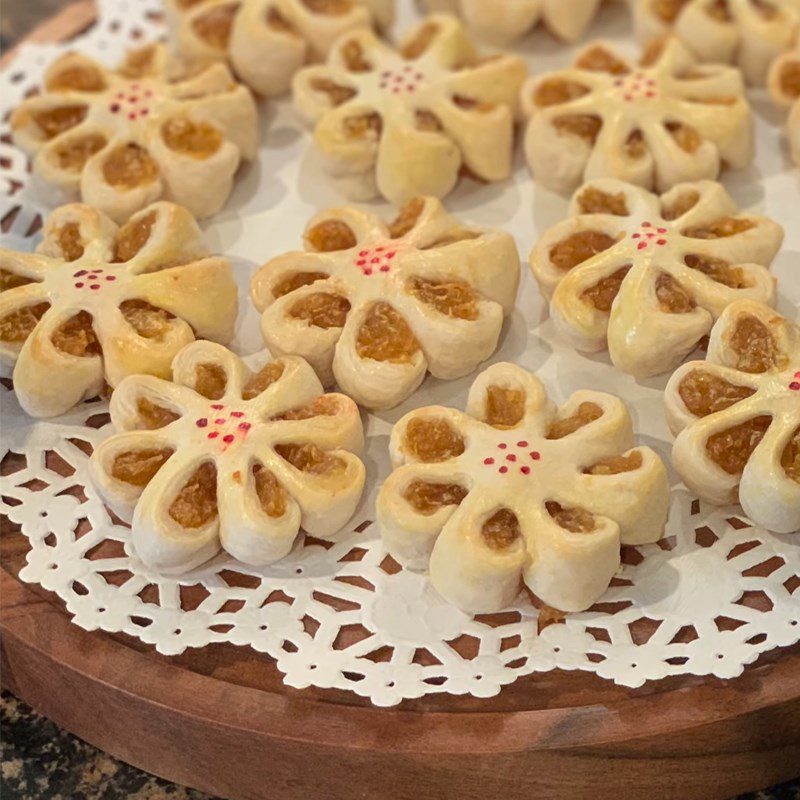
[784, 86]
[647, 276]
[226, 458]
[737, 416]
[667, 120]
[517, 491]
[407, 122]
[96, 303]
[502, 21]
[121, 139]
[375, 306]
[267, 41]
[747, 33]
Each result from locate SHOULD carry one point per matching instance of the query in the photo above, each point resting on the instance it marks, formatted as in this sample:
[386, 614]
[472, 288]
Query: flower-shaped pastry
[784, 86]
[737, 416]
[408, 122]
[648, 276]
[267, 41]
[502, 21]
[96, 303]
[375, 306]
[120, 139]
[516, 491]
[748, 33]
[226, 458]
[666, 121]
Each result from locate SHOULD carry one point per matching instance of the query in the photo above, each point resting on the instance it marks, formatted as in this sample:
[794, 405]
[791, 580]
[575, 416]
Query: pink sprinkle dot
[662, 230]
[79, 273]
[95, 286]
[511, 457]
[797, 374]
[201, 423]
[244, 426]
[217, 406]
[523, 443]
[502, 445]
[360, 262]
[650, 235]
[488, 461]
[213, 434]
[794, 386]
[374, 260]
[503, 470]
[219, 421]
[79, 285]
[237, 414]
[525, 470]
[641, 245]
[391, 255]
[661, 242]
[363, 252]
[646, 225]
[535, 455]
[228, 438]
[368, 271]
[385, 268]
[636, 236]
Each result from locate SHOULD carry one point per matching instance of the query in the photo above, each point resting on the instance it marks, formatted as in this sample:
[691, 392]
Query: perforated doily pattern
[712, 596]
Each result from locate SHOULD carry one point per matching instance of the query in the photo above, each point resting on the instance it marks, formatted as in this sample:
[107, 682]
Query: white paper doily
[707, 600]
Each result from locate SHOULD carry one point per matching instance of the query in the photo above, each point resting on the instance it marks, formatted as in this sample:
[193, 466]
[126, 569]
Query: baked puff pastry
[96, 303]
[121, 139]
[375, 306]
[517, 491]
[747, 33]
[407, 122]
[784, 86]
[737, 416]
[665, 121]
[223, 458]
[267, 41]
[502, 21]
[647, 276]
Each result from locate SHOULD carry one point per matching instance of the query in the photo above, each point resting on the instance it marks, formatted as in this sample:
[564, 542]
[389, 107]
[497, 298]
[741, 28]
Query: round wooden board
[221, 720]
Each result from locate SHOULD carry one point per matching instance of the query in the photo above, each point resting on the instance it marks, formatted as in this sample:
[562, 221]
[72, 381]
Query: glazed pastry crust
[745, 33]
[675, 276]
[122, 139]
[136, 295]
[524, 466]
[414, 270]
[784, 86]
[504, 21]
[667, 121]
[406, 122]
[240, 435]
[768, 493]
[267, 41]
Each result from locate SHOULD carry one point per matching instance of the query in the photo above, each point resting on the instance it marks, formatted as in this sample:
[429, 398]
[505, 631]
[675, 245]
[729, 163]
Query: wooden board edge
[61, 27]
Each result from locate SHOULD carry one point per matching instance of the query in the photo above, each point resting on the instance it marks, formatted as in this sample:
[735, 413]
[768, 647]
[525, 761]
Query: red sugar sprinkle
[488, 461]
[111, 277]
[797, 374]
[636, 236]
[201, 423]
[213, 434]
[237, 414]
[360, 262]
[535, 455]
[219, 421]
[79, 273]
[511, 457]
[794, 386]
[646, 225]
[363, 252]
[502, 445]
[374, 260]
[244, 426]
[217, 406]
[391, 255]
[525, 470]
[228, 438]
[523, 443]
[95, 286]
[368, 271]
[115, 107]
[79, 285]
[503, 470]
[661, 241]
[385, 268]
[641, 245]
[662, 230]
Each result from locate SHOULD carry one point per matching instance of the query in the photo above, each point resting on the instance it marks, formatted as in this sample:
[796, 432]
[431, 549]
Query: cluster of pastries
[122, 296]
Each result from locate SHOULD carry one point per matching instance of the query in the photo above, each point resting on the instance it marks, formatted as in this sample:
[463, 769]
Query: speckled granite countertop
[42, 762]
